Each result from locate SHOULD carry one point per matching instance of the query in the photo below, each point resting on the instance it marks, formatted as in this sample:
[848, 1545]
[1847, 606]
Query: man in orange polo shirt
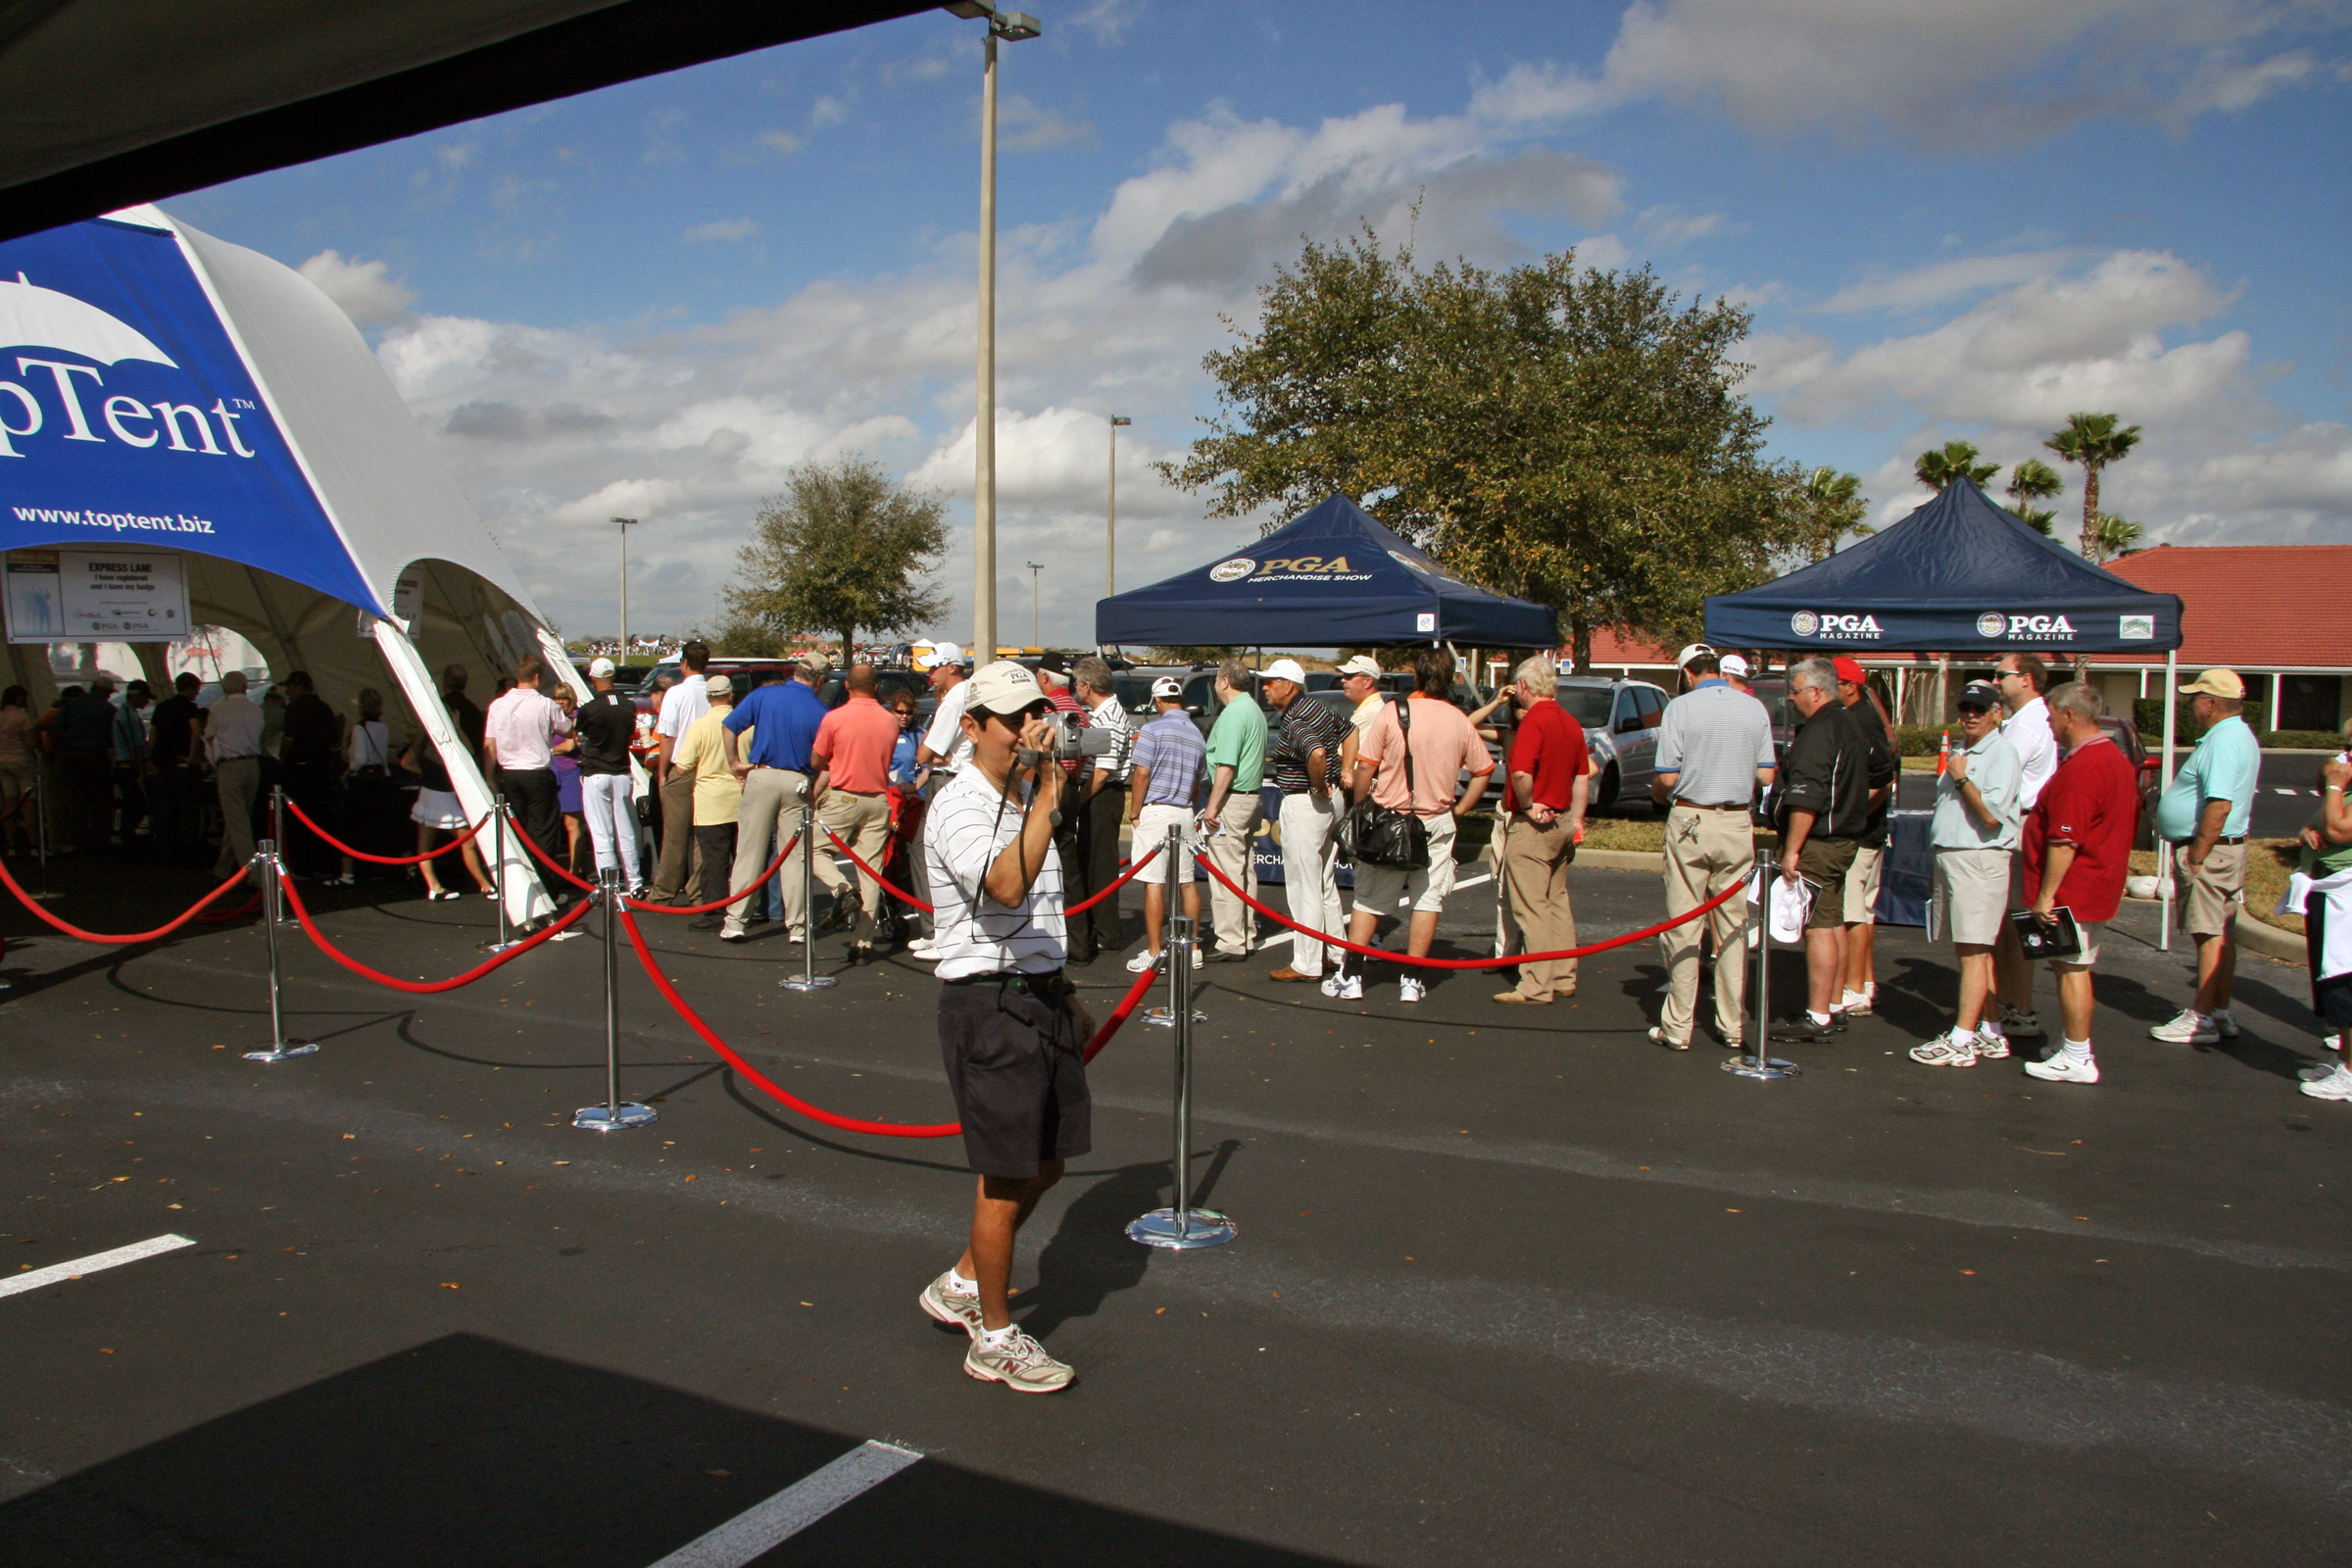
[852, 789]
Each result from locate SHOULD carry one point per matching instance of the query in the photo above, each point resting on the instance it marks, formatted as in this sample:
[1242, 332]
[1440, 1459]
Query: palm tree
[2093, 440]
[2114, 536]
[1938, 468]
[1834, 502]
[2034, 481]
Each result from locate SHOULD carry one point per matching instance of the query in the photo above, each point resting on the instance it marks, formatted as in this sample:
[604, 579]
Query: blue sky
[654, 299]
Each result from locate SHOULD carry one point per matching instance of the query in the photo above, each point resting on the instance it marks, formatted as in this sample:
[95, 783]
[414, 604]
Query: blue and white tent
[174, 409]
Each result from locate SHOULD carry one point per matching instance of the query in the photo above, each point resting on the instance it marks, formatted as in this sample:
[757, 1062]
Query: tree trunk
[1580, 642]
[848, 643]
[2090, 513]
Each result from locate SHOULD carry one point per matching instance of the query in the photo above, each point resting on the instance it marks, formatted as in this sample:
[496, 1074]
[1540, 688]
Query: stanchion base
[614, 1118]
[1772, 1068]
[46, 896]
[1165, 1017]
[1203, 1228]
[283, 1049]
[501, 946]
[807, 982]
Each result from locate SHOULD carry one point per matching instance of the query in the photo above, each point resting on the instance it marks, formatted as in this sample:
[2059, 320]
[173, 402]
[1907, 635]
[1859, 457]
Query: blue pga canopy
[1330, 577]
[1957, 573]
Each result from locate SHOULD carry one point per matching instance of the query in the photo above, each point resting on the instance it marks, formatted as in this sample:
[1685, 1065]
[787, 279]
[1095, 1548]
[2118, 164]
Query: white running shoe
[1991, 1046]
[2222, 1020]
[945, 1306]
[1409, 989]
[1142, 962]
[921, 947]
[2019, 1025]
[2187, 1027]
[1020, 1363]
[1344, 987]
[1856, 1004]
[1942, 1051]
[2337, 1085]
[2318, 1070]
[2062, 1068]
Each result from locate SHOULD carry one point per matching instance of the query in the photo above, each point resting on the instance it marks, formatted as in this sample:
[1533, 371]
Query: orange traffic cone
[1943, 754]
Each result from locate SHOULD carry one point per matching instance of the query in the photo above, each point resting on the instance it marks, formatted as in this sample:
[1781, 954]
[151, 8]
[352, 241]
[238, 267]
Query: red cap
[1847, 669]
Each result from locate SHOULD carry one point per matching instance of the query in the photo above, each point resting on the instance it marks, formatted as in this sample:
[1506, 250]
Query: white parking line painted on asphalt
[758, 1530]
[34, 1279]
[1462, 882]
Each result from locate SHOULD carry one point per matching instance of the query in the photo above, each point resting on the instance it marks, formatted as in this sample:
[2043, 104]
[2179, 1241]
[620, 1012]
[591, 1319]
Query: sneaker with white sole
[945, 1306]
[1344, 987]
[1409, 989]
[1991, 1046]
[1944, 1051]
[1142, 962]
[2224, 1020]
[1857, 1003]
[2187, 1027]
[2318, 1070]
[2062, 1068]
[2337, 1085]
[2019, 1025]
[1657, 1037]
[1020, 1363]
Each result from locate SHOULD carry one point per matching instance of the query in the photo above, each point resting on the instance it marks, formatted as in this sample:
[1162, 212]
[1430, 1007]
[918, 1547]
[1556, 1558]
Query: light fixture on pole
[1034, 641]
[624, 524]
[1013, 26]
[1110, 545]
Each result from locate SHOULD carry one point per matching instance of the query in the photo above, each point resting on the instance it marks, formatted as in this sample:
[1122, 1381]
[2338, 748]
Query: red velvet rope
[785, 1097]
[773, 866]
[428, 987]
[905, 897]
[1279, 918]
[338, 845]
[127, 939]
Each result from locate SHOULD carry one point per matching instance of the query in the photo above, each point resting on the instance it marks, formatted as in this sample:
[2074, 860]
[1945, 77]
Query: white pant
[610, 804]
[1311, 861]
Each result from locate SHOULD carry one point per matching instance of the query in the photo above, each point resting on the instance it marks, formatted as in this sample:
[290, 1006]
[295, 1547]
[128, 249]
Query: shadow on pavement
[465, 1453]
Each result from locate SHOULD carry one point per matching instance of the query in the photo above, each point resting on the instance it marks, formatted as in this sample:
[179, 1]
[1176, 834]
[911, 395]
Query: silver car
[1621, 719]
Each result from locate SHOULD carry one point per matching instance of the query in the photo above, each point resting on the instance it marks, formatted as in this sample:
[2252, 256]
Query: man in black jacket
[1824, 810]
[1859, 983]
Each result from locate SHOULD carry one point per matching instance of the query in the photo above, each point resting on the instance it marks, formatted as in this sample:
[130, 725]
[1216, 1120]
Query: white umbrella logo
[34, 317]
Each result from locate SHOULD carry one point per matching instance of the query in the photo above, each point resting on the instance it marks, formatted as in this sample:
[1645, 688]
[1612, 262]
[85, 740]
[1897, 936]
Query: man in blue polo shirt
[775, 766]
[2204, 816]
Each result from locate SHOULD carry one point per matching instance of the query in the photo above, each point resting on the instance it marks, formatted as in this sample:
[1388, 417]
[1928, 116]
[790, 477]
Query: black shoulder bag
[1371, 834]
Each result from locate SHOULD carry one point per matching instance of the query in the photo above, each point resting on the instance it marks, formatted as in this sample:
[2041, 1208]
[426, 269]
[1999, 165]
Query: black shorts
[1016, 1065]
[1825, 862]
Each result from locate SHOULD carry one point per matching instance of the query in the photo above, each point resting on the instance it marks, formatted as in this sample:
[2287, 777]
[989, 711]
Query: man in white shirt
[521, 732]
[1012, 1040]
[2020, 678]
[232, 741]
[681, 706]
[945, 751]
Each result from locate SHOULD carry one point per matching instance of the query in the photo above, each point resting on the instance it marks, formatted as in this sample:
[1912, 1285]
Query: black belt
[2218, 843]
[1053, 984]
[1703, 805]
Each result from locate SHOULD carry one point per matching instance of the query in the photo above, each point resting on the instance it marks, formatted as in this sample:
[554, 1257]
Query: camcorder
[1073, 739]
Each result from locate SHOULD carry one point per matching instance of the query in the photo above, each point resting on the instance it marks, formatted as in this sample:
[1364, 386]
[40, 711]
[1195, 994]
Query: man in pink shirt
[1443, 747]
[852, 790]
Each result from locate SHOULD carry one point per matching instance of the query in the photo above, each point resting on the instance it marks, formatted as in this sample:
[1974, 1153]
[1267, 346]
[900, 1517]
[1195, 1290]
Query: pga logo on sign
[1837, 628]
[1233, 570]
[2026, 628]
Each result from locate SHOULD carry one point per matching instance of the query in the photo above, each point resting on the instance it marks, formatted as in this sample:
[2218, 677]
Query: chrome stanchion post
[497, 870]
[41, 811]
[615, 1114]
[1758, 1061]
[1180, 1002]
[808, 979]
[264, 856]
[278, 836]
[1180, 1225]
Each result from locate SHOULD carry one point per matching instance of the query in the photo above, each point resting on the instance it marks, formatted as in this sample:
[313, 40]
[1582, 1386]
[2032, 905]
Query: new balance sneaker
[1657, 1037]
[1020, 1363]
[1344, 987]
[945, 1306]
[1991, 1046]
[2337, 1085]
[1409, 989]
[2019, 1025]
[1946, 1051]
[1857, 1003]
[2224, 1020]
[2063, 1068]
[2187, 1027]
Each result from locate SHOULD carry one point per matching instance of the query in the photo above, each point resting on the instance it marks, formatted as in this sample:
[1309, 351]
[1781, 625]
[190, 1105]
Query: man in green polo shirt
[2204, 816]
[1237, 761]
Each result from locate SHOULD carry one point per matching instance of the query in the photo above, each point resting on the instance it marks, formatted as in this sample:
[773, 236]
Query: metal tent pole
[2163, 855]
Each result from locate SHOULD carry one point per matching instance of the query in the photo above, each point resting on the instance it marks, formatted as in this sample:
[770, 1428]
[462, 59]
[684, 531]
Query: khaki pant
[770, 813]
[1233, 851]
[1311, 863]
[2210, 894]
[1707, 851]
[239, 780]
[677, 836]
[862, 822]
[1537, 913]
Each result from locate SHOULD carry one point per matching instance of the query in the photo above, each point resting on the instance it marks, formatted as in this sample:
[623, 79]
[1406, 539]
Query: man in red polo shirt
[852, 790]
[2078, 849]
[1544, 811]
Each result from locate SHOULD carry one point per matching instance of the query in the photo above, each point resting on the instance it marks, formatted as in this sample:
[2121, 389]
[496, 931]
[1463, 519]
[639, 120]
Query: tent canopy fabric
[112, 102]
[1957, 573]
[1331, 578]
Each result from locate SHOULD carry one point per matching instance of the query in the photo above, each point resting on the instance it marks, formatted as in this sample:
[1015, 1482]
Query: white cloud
[781, 142]
[827, 110]
[721, 231]
[365, 291]
[1943, 281]
[1108, 22]
[1024, 126]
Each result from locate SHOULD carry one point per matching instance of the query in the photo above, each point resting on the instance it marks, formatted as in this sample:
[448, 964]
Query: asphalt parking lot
[1512, 1286]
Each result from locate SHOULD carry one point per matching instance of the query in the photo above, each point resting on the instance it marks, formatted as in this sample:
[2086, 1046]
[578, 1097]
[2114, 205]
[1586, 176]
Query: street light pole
[1014, 25]
[1111, 545]
[1035, 641]
[624, 524]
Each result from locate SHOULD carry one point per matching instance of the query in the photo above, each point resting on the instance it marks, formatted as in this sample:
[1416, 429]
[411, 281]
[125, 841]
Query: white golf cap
[1733, 664]
[940, 653]
[1003, 687]
[600, 668]
[1681, 661]
[1285, 669]
[1361, 665]
[1167, 686]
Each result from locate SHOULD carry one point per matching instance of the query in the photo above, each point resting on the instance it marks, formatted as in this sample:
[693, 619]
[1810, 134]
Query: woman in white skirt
[438, 811]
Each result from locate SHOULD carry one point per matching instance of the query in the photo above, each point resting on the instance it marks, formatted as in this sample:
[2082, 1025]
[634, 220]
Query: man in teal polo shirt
[2204, 817]
[1237, 763]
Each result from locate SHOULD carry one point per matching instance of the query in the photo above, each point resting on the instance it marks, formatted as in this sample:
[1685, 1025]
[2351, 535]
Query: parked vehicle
[1621, 719]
